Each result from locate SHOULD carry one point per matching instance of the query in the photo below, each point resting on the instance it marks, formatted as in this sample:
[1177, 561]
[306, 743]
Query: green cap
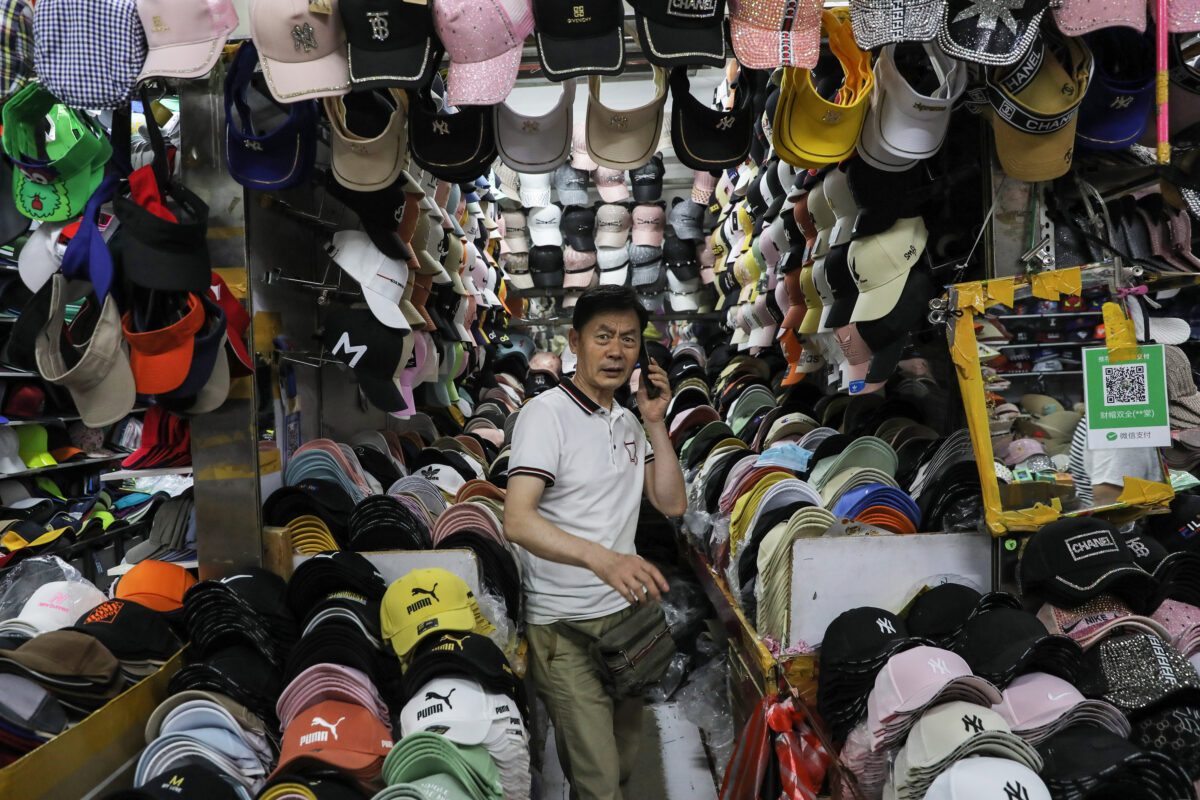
[57, 170]
[34, 448]
[410, 791]
[419, 756]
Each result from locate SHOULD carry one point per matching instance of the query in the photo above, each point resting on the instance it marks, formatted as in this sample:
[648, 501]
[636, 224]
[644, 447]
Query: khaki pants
[596, 736]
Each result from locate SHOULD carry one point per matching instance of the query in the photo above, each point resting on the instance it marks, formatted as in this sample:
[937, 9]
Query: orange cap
[161, 358]
[344, 735]
[159, 585]
[479, 488]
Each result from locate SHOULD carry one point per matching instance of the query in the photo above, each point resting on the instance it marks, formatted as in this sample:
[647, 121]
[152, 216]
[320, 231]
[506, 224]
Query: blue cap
[1116, 108]
[860, 498]
[275, 159]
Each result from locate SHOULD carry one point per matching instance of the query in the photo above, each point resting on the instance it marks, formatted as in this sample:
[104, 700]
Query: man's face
[607, 349]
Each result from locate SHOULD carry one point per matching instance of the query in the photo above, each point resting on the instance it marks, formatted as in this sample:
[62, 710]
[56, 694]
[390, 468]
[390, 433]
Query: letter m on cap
[342, 345]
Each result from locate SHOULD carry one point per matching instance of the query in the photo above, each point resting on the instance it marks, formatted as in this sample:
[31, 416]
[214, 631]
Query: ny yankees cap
[1116, 108]
[185, 39]
[302, 51]
[375, 353]
[987, 776]
[389, 44]
[625, 138]
[682, 32]
[577, 39]
[451, 147]
[706, 138]
[536, 143]
[881, 22]
[369, 141]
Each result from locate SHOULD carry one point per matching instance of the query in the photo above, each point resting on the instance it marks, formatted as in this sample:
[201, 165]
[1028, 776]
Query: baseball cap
[93, 65]
[679, 34]
[58, 167]
[184, 39]
[571, 185]
[1070, 561]
[484, 42]
[161, 358]
[374, 351]
[159, 585]
[148, 241]
[452, 706]
[579, 38]
[276, 158]
[302, 51]
[451, 147]
[766, 35]
[613, 263]
[881, 22]
[383, 280]
[1035, 142]
[535, 190]
[610, 184]
[577, 228]
[546, 266]
[1116, 109]
[389, 44]
[1138, 672]
[101, 381]
[613, 223]
[624, 138]
[903, 124]
[975, 37]
[987, 776]
[648, 222]
[914, 680]
[1077, 17]
[545, 226]
[53, 606]
[579, 268]
[529, 143]
[343, 735]
[880, 265]
[422, 603]
[369, 141]
[706, 138]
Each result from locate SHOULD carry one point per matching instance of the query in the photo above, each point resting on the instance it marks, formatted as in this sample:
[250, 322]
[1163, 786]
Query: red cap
[237, 323]
[344, 735]
[161, 358]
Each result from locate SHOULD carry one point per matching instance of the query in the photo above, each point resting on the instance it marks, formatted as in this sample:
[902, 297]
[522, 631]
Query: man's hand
[654, 410]
[635, 578]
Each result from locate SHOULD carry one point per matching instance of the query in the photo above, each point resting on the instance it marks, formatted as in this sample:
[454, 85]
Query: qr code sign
[1125, 385]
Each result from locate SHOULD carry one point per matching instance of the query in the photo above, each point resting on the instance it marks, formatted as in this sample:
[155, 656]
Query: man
[578, 468]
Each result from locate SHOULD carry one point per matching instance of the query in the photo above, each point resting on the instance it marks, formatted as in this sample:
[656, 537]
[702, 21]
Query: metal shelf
[1089, 343]
[89, 462]
[12, 423]
[124, 474]
[1052, 314]
[1032, 374]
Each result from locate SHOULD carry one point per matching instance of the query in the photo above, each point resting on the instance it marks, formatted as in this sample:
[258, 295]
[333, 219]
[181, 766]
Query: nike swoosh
[1058, 696]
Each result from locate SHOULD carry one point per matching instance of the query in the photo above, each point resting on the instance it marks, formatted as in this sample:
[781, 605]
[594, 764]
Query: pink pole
[1162, 83]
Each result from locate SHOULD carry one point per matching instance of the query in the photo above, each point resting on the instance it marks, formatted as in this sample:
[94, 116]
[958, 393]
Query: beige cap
[368, 164]
[625, 138]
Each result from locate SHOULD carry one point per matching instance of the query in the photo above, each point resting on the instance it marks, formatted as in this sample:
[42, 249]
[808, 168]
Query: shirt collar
[587, 404]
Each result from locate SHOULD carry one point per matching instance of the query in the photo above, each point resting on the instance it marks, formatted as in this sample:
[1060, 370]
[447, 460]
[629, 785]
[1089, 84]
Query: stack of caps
[344, 634]
[475, 526]
[323, 499]
[52, 606]
[236, 671]
[385, 522]
[865, 451]
[856, 646]
[1138, 673]
[1038, 705]
[1098, 618]
[1085, 761]
[157, 585]
[423, 490]
[1002, 643]
[324, 460]
[326, 786]
[474, 717]
[29, 717]
[774, 562]
[1182, 623]
[204, 727]
[172, 532]
[140, 637]
[425, 603]
[990, 777]
[310, 535]
[338, 586]
[76, 668]
[914, 681]
[438, 767]
[166, 441]
[947, 734]
[200, 778]
[469, 655]
[247, 607]
[948, 478]
[940, 613]
[340, 734]
[880, 505]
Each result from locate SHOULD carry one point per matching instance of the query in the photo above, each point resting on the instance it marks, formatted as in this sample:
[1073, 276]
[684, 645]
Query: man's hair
[604, 300]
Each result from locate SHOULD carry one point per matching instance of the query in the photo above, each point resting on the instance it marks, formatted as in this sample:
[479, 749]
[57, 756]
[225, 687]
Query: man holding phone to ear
[579, 466]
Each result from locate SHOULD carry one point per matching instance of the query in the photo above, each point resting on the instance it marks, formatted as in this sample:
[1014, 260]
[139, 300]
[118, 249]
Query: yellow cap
[812, 301]
[424, 602]
[287, 791]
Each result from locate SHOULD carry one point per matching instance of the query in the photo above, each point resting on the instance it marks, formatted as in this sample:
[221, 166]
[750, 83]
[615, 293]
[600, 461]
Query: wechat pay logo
[1111, 436]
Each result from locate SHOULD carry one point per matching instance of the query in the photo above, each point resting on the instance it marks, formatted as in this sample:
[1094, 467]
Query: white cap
[684, 295]
[457, 708]
[382, 279]
[987, 777]
[613, 263]
[544, 226]
[535, 189]
[41, 256]
[55, 605]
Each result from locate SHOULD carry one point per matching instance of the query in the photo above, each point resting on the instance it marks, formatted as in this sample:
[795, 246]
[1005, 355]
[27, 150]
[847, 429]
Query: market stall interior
[314, 317]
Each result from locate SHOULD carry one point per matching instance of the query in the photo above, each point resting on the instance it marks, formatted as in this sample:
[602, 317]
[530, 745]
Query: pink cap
[1022, 449]
[185, 39]
[915, 679]
[776, 33]
[579, 268]
[329, 682]
[856, 351]
[1077, 17]
[409, 375]
[1183, 16]
[303, 54]
[610, 183]
[1178, 618]
[703, 186]
[1036, 700]
[1097, 618]
[649, 221]
[579, 153]
[484, 40]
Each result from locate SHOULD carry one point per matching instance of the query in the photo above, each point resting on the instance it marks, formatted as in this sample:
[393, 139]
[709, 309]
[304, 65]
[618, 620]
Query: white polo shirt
[593, 461]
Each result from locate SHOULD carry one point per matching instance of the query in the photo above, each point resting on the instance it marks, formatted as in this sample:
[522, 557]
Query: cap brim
[794, 317]
[572, 58]
[668, 46]
[190, 60]
[1034, 157]
[872, 148]
[405, 67]
[216, 388]
[290, 82]
[383, 393]
[877, 303]
[385, 310]
[482, 83]
[110, 399]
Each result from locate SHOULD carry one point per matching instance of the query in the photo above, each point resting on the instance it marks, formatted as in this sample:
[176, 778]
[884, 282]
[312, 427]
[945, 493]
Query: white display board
[833, 574]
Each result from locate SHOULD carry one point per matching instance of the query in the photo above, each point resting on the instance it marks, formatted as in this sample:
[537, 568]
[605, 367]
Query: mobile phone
[651, 390]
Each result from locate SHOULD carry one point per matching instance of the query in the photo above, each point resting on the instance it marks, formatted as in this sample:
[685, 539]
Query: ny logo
[360, 149]
[885, 625]
[725, 123]
[618, 121]
[1121, 101]
[416, 590]
[304, 37]
[253, 145]
[530, 125]
[342, 345]
[938, 665]
[1013, 790]
[831, 117]
[379, 25]
[972, 723]
[444, 698]
[440, 126]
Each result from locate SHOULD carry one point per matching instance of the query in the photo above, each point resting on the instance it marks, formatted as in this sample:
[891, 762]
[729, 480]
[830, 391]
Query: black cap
[862, 638]
[383, 522]
[1180, 529]
[497, 566]
[370, 348]
[389, 43]
[130, 630]
[326, 574]
[1082, 752]
[679, 32]
[337, 642]
[546, 266]
[1138, 672]
[324, 499]
[647, 180]
[578, 226]
[187, 782]
[841, 283]
[157, 253]
[679, 256]
[468, 654]
[537, 382]
[707, 138]
[452, 147]
[1070, 561]
[940, 613]
[380, 212]
[703, 443]
[239, 671]
[1173, 731]
[1002, 643]
[579, 38]
[904, 317]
